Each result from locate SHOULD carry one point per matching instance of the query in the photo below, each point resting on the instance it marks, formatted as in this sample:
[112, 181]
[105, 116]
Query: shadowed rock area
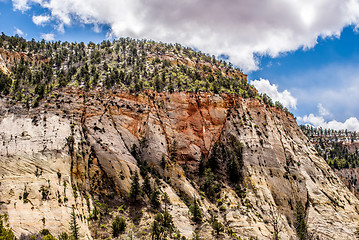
[248, 165]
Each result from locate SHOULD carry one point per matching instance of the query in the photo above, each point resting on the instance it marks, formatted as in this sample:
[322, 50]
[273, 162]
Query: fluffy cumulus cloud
[21, 5]
[285, 97]
[48, 36]
[41, 19]
[351, 123]
[240, 29]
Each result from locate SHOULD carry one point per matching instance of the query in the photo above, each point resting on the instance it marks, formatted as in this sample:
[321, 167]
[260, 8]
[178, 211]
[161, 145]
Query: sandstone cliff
[79, 150]
[350, 177]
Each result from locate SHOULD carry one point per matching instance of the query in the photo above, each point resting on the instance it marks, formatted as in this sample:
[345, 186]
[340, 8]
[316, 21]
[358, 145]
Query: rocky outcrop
[9, 58]
[350, 177]
[78, 150]
[3, 66]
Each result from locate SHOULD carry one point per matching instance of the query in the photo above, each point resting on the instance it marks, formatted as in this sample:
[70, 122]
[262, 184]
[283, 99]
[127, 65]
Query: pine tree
[167, 221]
[166, 200]
[196, 212]
[135, 187]
[155, 199]
[156, 230]
[213, 159]
[146, 186]
[74, 227]
[173, 151]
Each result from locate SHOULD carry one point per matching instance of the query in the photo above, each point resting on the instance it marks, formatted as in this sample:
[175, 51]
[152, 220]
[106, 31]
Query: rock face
[9, 58]
[78, 150]
[350, 177]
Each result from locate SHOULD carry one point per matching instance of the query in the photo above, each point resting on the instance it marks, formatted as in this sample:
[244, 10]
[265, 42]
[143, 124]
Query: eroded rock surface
[78, 150]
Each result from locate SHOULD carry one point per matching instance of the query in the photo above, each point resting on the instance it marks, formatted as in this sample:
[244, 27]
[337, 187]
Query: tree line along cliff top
[338, 148]
[31, 69]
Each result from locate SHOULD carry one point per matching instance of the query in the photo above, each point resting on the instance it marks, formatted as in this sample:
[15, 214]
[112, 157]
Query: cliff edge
[247, 165]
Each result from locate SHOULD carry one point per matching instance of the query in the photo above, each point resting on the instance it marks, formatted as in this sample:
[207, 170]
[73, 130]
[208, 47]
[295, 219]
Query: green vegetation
[195, 235]
[166, 200]
[46, 235]
[156, 230]
[135, 187]
[146, 186]
[162, 225]
[45, 232]
[300, 223]
[216, 225]
[233, 153]
[334, 146]
[5, 83]
[196, 211]
[64, 236]
[225, 157]
[133, 66]
[210, 185]
[118, 226]
[74, 227]
[45, 192]
[6, 232]
[155, 198]
[268, 101]
[126, 64]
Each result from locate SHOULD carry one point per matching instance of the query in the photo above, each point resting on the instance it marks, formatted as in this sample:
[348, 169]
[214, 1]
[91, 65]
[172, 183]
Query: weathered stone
[280, 168]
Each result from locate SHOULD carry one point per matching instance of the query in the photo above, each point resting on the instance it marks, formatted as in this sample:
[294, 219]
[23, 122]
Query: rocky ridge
[78, 150]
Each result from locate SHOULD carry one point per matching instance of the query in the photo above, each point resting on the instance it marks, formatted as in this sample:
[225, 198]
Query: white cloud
[18, 31]
[285, 97]
[48, 36]
[316, 121]
[240, 29]
[41, 19]
[323, 111]
[22, 5]
[60, 27]
[351, 123]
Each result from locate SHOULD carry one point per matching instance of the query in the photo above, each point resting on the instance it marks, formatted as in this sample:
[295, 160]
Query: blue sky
[11, 20]
[304, 54]
[318, 75]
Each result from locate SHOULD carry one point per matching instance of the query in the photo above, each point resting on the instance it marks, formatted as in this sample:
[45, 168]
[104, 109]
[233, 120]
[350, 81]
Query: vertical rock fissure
[203, 122]
[168, 142]
[119, 133]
